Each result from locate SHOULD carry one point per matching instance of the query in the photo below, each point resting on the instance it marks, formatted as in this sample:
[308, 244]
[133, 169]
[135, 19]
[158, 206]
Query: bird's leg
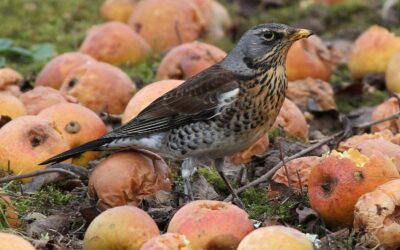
[219, 165]
[187, 170]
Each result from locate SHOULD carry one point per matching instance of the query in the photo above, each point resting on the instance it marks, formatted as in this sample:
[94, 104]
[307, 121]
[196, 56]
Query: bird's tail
[90, 146]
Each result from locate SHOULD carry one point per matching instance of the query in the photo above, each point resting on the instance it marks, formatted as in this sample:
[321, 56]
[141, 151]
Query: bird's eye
[268, 35]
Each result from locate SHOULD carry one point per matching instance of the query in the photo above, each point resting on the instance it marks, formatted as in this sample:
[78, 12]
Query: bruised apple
[377, 213]
[9, 81]
[245, 156]
[78, 125]
[126, 177]
[100, 87]
[392, 74]
[275, 237]
[55, 71]
[211, 224]
[341, 178]
[309, 58]
[372, 51]
[14, 242]
[117, 10]
[168, 241]
[115, 43]
[383, 110]
[357, 139]
[27, 141]
[167, 23]
[147, 95]
[120, 228]
[292, 120]
[42, 97]
[11, 106]
[188, 59]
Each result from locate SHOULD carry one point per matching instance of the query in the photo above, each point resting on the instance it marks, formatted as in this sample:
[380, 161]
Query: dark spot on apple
[329, 184]
[72, 82]
[378, 209]
[4, 119]
[358, 175]
[35, 141]
[137, 27]
[72, 127]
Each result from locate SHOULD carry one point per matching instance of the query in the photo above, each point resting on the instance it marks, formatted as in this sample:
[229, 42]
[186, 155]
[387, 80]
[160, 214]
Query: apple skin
[115, 43]
[167, 23]
[11, 106]
[55, 71]
[383, 110]
[168, 241]
[124, 227]
[211, 224]
[340, 179]
[275, 237]
[392, 74]
[372, 51]
[117, 10]
[14, 242]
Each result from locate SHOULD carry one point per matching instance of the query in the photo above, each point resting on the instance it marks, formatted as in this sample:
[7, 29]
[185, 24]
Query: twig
[38, 172]
[369, 124]
[300, 184]
[272, 171]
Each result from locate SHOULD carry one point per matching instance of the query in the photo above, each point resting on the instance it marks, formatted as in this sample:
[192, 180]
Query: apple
[115, 43]
[167, 23]
[376, 213]
[211, 224]
[392, 74]
[14, 242]
[55, 71]
[27, 141]
[372, 51]
[275, 237]
[117, 10]
[309, 58]
[126, 177]
[78, 125]
[245, 156]
[383, 110]
[321, 92]
[100, 86]
[9, 80]
[42, 97]
[123, 227]
[168, 241]
[292, 120]
[188, 59]
[8, 212]
[147, 95]
[11, 106]
[336, 183]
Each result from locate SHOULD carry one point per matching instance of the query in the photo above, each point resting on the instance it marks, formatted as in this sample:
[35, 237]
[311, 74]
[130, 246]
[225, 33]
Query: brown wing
[195, 99]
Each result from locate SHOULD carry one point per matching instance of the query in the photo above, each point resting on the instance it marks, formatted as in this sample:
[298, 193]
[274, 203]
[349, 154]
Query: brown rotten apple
[117, 10]
[115, 43]
[392, 75]
[167, 23]
[147, 95]
[309, 58]
[357, 139]
[78, 125]
[292, 120]
[168, 241]
[27, 141]
[100, 87]
[386, 109]
[372, 51]
[9, 80]
[188, 59]
[126, 177]
[211, 224]
[55, 71]
[41, 97]
[124, 227]
[341, 178]
[275, 237]
[14, 242]
[377, 213]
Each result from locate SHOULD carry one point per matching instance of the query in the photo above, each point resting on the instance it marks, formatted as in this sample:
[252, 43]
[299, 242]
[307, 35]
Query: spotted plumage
[219, 111]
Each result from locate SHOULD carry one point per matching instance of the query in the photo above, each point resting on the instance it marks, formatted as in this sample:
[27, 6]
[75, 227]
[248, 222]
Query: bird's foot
[188, 190]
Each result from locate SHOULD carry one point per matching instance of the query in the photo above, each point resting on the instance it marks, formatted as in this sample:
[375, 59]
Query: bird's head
[267, 44]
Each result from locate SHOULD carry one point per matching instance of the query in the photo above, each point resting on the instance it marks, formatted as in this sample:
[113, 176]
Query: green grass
[61, 23]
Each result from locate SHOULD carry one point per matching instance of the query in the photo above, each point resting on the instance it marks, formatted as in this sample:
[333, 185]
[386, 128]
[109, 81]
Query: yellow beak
[300, 33]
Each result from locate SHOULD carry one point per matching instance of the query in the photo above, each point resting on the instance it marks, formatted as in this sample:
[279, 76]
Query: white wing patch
[227, 98]
[151, 142]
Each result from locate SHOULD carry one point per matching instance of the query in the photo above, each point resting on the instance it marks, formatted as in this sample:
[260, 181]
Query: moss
[273, 133]
[347, 103]
[213, 177]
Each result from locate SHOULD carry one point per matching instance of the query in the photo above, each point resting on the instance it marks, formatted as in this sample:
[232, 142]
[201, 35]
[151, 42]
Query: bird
[220, 111]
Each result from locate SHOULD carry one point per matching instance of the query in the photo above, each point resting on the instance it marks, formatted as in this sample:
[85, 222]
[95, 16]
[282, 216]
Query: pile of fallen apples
[356, 185]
